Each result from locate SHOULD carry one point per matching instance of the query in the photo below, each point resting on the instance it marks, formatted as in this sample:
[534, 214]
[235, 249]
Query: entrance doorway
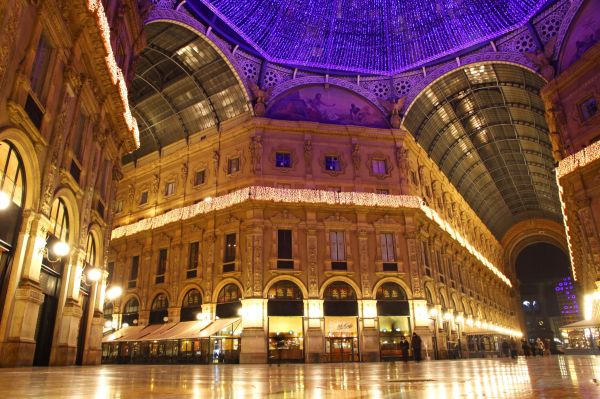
[285, 309]
[340, 309]
[342, 350]
[394, 321]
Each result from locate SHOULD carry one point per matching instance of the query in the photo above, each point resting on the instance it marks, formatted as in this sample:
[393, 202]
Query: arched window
[131, 312]
[191, 306]
[340, 300]
[428, 296]
[339, 291]
[442, 301]
[89, 262]
[159, 310]
[392, 300]
[456, 304]
[59, 220]
[108, 311]
[285, 290]
[229, 293]
[228, 301]
[285, 299]
[391, 292]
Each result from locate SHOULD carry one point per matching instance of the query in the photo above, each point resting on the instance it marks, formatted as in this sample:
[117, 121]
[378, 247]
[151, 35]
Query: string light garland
[304, 196]
[115, 72]
[563, 208]
[367, 36]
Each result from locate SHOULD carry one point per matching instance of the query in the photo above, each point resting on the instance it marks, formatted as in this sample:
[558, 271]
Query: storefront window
[192, 305]
[228, 301]
[340, 309]
[394, 320]
[286, 328]
[159, 309]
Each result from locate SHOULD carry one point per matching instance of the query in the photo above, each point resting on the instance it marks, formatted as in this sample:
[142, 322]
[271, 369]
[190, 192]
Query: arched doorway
[159, 311]
[394, 319]
[12, 198]
[225, 342]
[51, 272]
[131, 315]
[229, 302]
[285, 309]
[433, 317]
[542, 270]
[191, 306]
[340, 308]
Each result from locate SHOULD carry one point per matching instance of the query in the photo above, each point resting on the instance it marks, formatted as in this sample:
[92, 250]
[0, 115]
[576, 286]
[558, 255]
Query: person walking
[416, 347]
[404, 346]
[513, 348]
[526, 348]
[539, 346]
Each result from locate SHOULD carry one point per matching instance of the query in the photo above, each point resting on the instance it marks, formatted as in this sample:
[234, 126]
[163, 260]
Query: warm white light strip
[580, 159]
[116, 75]
[563, 208]
[306, 196]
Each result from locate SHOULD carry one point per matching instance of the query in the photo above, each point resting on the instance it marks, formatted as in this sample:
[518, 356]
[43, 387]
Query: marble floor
[551, 377]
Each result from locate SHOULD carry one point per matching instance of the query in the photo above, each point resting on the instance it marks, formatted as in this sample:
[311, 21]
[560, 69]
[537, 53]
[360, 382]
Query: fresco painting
[585, 32]
[335, 105]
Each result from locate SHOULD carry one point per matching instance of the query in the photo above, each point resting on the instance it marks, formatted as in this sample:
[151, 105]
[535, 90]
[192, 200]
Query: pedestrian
[525, 346]
[547, 347]
[505, 348]
[539, 346]
[404, 346]
[416, 347]
[513, 348]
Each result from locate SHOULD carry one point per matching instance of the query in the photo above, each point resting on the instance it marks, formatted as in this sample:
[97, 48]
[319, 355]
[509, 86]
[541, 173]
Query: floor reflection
[558, 376]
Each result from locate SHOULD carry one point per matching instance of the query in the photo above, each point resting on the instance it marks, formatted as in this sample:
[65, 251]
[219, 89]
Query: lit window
[387, 247]
[230, 245]
[41, 65]
[144, 198]
[199, 177]
[193, 255]
[588, 108]
[378, 166]
[233, 165]
[283, 160]
[332, 163]
[169, 188]
[338, 251]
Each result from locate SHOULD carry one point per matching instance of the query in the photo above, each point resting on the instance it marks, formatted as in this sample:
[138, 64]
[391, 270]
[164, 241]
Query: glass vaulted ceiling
[367, 36]
[484, 126]
[181, 86]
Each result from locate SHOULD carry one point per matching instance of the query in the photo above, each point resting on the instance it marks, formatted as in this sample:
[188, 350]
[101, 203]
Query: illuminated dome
[365, 36]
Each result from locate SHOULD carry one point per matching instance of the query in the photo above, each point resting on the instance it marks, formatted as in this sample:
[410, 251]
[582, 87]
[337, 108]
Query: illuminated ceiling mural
[365, 36]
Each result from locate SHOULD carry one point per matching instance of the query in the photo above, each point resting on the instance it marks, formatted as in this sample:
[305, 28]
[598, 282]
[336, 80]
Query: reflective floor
[550, 377]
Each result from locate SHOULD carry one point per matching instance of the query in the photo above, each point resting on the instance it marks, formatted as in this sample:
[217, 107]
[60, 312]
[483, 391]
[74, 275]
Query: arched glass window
[59, 220]
[339, 291]
[428, 296]
[228, 301]
[90, 252]
[442, 301]
[161, 302]
[391, 292]
[12, 179]
[286, 291]
[456, 304]
[191, 306]
[192, 299]
[229, 293]
[108, 311]
[132, 306]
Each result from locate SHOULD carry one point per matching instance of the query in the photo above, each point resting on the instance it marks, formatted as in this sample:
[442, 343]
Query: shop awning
[183, 330]
[582, 324]
[162, 329]
[139, 334]
[216, 326]
[116, 335]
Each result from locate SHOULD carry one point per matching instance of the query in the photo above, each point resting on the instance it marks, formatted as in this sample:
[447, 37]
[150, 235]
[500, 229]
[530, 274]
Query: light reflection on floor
[551, 377]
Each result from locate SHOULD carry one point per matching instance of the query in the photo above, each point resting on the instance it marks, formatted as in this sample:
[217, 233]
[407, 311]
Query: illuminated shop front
[340, 308]
[285, 310]
[394, 320]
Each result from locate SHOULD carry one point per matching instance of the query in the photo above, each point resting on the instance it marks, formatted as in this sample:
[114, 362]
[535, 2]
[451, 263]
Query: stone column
[369, 335]
[20, 313]
[93, 344]
[254, 338]
[422, 325]
[314, 342]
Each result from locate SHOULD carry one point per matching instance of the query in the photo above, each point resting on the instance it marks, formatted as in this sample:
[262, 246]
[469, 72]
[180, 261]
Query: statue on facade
[261, 96]
[308, 155]
[393, 108]
[555, 117]
[543, 59]
[356, 156]
[256, 150]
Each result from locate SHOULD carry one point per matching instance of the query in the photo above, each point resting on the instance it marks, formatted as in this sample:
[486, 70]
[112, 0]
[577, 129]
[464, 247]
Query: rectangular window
[230, 245]
[199, 177]
[332, 162]
[169, 188]
[338, 250]
[79, 135]
[588, 108]
[193, 255]
[233, 165]
[284, 244]
[162, 262]
[426, 260]
[378, 166]
[283, 160]
[144, 198]
[386, 241]
[133, 273]
[41, 64]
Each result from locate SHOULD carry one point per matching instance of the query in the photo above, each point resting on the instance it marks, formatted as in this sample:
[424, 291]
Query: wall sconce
[55, 249]
[433, 312]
